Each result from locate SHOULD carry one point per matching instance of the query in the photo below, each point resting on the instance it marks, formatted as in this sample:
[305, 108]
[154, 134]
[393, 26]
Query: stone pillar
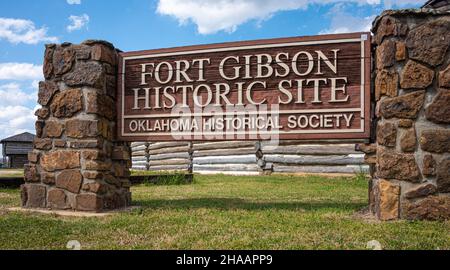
[411, 72]
[76, 162]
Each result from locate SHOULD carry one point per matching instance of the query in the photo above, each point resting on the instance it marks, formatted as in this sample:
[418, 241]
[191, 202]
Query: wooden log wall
[247, 158]
[139, 155]
[225, 157]
[169, 156]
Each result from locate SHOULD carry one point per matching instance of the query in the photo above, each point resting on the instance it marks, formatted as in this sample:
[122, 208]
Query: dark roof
[23, 137]
[436, 3]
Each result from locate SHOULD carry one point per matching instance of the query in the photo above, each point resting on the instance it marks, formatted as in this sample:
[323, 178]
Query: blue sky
[26, 25]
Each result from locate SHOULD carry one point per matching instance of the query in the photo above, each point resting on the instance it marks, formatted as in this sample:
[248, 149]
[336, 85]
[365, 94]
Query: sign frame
[364, 38]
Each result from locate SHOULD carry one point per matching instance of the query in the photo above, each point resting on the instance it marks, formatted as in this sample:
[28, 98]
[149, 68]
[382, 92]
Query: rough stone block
[53, 129]
[389, 200]
[111, 86]
[443, 175]
[89, 202]
[405, 123]
[86, 74]
[57, 199]
[421, 191]
[435, 140]
[63, 59]
[93, 175]
[69, 180]
[39, 127]
[97, 165]
[370, 159]
[429, 166]
[386, 134]
[93, 155]
[95, 187]
[101, 105]
[67, 103]
[393, 165]
[408, 140]
[102, 53]
[48, 61]
[48, 178]
[429, 208]
[386, 83]
[429, 42]
[82, 52]
[59, 143]
[33, 157]
[81, 129]
[439, 110]
[389, 26]
[386, 54]
[405, 106]
[444, 77]
[42, 113]
[46, 92]
[42, 144]
[416, 76]
[23, 195]
[400, 51]
[105, 129]
[60, 160]
[31, 174]
[34, 195]
[367, 148]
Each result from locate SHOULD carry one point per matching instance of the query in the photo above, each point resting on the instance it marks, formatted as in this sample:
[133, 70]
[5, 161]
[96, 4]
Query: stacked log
[227, 157]
[170, 156]
[248, 157]
[292, 157]
[139, 155]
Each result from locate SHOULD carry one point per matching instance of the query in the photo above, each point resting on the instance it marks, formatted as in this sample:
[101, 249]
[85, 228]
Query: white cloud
[20, 71]
[16, 119]
[23, 31]
[12, 95]
[77, 22]
[35, 84]
[388, 4]
[17, 104]
[212, 16]
[74, 2]
[344, 22]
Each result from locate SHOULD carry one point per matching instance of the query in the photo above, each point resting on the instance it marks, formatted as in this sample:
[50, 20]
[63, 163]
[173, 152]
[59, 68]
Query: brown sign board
[300, 88]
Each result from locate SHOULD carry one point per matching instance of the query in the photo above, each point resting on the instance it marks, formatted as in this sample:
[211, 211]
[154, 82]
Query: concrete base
[70, 213]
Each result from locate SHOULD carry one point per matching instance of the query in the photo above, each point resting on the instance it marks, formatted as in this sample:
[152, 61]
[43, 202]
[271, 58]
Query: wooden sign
[302, 88]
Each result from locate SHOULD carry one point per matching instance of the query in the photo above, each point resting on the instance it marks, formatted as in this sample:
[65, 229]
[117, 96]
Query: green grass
[171, 179]
[11, 173]
[227, 212]
[137, 172]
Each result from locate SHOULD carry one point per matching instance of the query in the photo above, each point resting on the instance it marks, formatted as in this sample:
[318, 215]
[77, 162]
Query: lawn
[11, 173]
[227, 212]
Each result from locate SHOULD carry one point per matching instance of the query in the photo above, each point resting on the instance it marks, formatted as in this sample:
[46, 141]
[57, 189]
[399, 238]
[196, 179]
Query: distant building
[15, 150]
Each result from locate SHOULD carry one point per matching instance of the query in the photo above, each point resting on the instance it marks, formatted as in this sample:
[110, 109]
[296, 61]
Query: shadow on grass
[236, 203]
